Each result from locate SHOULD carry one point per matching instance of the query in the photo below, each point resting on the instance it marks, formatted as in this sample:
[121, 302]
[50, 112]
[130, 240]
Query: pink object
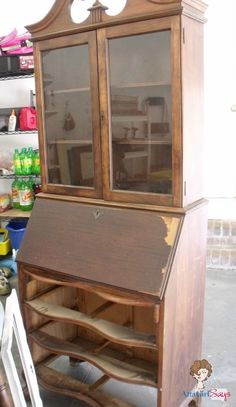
[28, 119]
[9, 37]
[20, 51]
[15, 40]
[26, 61]
[16, 44]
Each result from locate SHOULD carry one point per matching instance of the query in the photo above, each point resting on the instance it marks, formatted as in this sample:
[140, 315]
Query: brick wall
[221, 244]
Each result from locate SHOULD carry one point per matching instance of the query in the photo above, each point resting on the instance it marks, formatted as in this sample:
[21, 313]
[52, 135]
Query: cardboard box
[26, 61]
[5, 202]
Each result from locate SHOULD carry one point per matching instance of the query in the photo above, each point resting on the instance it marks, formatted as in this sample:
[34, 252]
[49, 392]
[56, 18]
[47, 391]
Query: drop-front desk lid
[122, 248]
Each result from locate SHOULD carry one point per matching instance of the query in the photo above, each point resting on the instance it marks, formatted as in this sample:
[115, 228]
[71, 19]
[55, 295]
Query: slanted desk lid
[122, 248]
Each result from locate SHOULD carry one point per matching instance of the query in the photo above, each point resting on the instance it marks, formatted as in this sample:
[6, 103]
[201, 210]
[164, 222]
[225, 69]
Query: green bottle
[15, 191]
[28, 161]
[36, 163]
[23, 154]
[26, 196]
[17, 162]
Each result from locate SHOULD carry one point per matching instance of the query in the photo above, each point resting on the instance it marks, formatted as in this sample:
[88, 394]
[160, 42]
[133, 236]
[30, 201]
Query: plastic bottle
[17, 162]
[31, 184]
[26, 196]
[12, 121]
[22, 160]
[15, 190]
[28, 161]
[36, 163]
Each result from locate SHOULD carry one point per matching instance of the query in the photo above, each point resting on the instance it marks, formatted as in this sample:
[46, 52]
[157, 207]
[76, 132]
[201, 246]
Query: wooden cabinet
[111, 269]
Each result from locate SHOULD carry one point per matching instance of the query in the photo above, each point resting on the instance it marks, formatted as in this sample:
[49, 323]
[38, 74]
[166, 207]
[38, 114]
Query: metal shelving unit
[21, 75]
[16, 132]
[12, 176]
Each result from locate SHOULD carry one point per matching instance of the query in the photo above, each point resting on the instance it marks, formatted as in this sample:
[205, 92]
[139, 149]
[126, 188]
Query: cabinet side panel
[193, 110]
[183, 311]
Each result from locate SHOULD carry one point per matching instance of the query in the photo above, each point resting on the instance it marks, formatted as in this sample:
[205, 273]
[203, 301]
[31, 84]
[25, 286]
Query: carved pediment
[70, 16]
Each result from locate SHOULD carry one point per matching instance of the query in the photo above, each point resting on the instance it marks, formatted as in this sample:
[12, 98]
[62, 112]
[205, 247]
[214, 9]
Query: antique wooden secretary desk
[111, 268]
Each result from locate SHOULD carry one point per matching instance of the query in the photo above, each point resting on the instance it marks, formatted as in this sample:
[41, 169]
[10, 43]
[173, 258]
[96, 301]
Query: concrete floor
[219, 348]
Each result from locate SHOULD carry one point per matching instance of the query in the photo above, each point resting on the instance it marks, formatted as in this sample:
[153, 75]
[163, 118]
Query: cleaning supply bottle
[26, 196]
[15, 190]
[17, 162]
[12, 121]
[36, 163]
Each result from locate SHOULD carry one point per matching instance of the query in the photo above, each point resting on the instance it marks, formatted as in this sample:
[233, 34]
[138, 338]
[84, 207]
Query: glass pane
[68, 121]
[140, 92]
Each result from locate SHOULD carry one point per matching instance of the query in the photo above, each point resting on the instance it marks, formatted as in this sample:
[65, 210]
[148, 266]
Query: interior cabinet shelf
[130, 118]
[55, 381]
[141, 141]
[113, 363]
[140, 84]
[59, 91]
[50, 112]
[113, 296]
[83, 142]
[111, 331]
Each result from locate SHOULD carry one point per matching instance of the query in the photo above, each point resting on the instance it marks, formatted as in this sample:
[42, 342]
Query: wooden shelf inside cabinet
[111, 331]
[15, 213]
[130, 118]
[50, 112]
[140, 84]
[62, 141]
[113, 363]
[55, 381]
[73, 90]
[141, 141]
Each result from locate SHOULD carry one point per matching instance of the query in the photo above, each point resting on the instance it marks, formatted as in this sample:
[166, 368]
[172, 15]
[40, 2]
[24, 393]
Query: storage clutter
[16, 54]
[24, 119]
[18, 118]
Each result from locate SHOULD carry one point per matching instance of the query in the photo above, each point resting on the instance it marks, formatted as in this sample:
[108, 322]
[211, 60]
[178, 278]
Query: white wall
[220, 95]
[220, 83]
[18, 13]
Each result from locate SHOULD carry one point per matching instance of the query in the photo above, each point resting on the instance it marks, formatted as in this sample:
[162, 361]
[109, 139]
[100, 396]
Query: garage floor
[219, 348]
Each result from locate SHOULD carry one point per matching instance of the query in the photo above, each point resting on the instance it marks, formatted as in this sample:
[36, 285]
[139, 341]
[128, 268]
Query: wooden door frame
[167, 23]
[56, 43]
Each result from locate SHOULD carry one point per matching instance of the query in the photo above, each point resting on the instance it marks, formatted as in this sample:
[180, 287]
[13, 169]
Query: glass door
[142, 117]
[70, 116]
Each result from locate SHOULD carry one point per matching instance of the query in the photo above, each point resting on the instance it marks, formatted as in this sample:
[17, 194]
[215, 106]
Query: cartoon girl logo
[200, 370]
